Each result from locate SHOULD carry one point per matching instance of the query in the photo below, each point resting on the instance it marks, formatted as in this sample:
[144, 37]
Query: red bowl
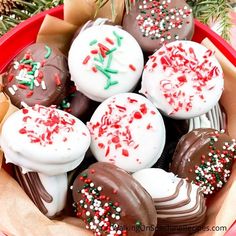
[25, 34]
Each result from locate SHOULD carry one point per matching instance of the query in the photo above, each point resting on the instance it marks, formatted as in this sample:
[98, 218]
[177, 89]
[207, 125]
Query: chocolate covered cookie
[156, 22]
[112, 202]
[204, 157]
[38, 75]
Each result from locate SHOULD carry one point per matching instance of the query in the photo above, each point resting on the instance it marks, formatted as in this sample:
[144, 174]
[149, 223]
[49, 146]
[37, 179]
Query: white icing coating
[163, 184]
[128, 131]
[45, 140]
[105, 60]
[56, 186]
[183, 79]
[212, 119]
[159, 184]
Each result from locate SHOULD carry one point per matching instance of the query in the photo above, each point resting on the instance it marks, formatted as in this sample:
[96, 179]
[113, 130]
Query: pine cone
[6, 6]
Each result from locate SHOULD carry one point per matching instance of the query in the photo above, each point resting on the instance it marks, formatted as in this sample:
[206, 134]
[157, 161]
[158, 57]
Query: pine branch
[13, 12]
[213, 10]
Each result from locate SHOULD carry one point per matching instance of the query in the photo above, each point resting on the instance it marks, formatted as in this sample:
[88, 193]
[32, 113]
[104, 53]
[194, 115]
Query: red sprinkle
[57, 79]
[29, 94]
[132, 67]
[125, 152]
[110, 41]
[25, 111]
[94, 69]
[10, 78]
[22, 131]
[22, 86]
[101, 145]
[137, 115]
[94, 51]
[86, 60]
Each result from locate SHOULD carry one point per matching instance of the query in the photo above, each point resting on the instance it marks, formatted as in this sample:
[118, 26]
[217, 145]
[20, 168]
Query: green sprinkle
[103, 71]
[110, 51]
[111, 71]
[85, 175]
[32, 85]
[100, 59]
[118, 38]
[114, 82]
[109, 61]
[138, 223]
[27, 61]
[110, 83]
[30, 72]
[24, 82]
[49, 52]
[93, 42]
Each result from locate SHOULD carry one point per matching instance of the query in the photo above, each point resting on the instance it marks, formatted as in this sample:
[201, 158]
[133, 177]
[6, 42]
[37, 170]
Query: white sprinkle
[11, 90]
[43, 85]
[99, 188]
[16, 65]
[23, 104]
[118, 209]
[14, 87]
[87, 213]
[36, 83]
[36, 73]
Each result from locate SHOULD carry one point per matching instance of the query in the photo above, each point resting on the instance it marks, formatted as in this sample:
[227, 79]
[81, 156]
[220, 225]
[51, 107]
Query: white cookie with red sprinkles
[105, 60]
[44, 139]
[128, 131]
[183, 79]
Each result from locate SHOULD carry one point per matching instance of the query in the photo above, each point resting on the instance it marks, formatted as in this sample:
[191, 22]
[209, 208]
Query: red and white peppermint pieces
[183, 79]
[44, 139]
[128, 131]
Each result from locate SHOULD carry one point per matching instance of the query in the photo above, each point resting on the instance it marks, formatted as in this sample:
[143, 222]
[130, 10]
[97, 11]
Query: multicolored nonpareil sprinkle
[215, 169]
[156, 18]
[97, 209]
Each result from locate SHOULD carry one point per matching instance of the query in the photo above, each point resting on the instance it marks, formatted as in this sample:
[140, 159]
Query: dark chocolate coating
[151, 43]
[193, 151]
[53, 66]
[124, 196]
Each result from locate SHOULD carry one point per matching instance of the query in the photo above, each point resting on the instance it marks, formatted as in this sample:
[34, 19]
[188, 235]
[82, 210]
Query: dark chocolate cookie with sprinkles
[37, 75]
[205, 157]
[112, 202]
[155, 22]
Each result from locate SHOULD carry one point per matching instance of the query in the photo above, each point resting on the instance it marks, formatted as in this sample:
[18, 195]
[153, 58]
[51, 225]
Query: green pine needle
[208, 10]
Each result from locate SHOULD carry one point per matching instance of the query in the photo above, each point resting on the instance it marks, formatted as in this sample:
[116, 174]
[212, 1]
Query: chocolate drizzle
[33, 187]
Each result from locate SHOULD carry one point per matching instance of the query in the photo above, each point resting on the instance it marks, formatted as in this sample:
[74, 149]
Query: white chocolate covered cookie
[105, 60]
[128, 131]
[183, 79]
[44, 139]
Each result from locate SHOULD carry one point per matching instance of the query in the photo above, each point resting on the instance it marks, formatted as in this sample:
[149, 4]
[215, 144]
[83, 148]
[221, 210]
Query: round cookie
[128, 131]
[154, 23]
[44, 139]
[183, 79]
[204, 157]
[180, 205]
[105, 60]
[111, 202]
[38, 75]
